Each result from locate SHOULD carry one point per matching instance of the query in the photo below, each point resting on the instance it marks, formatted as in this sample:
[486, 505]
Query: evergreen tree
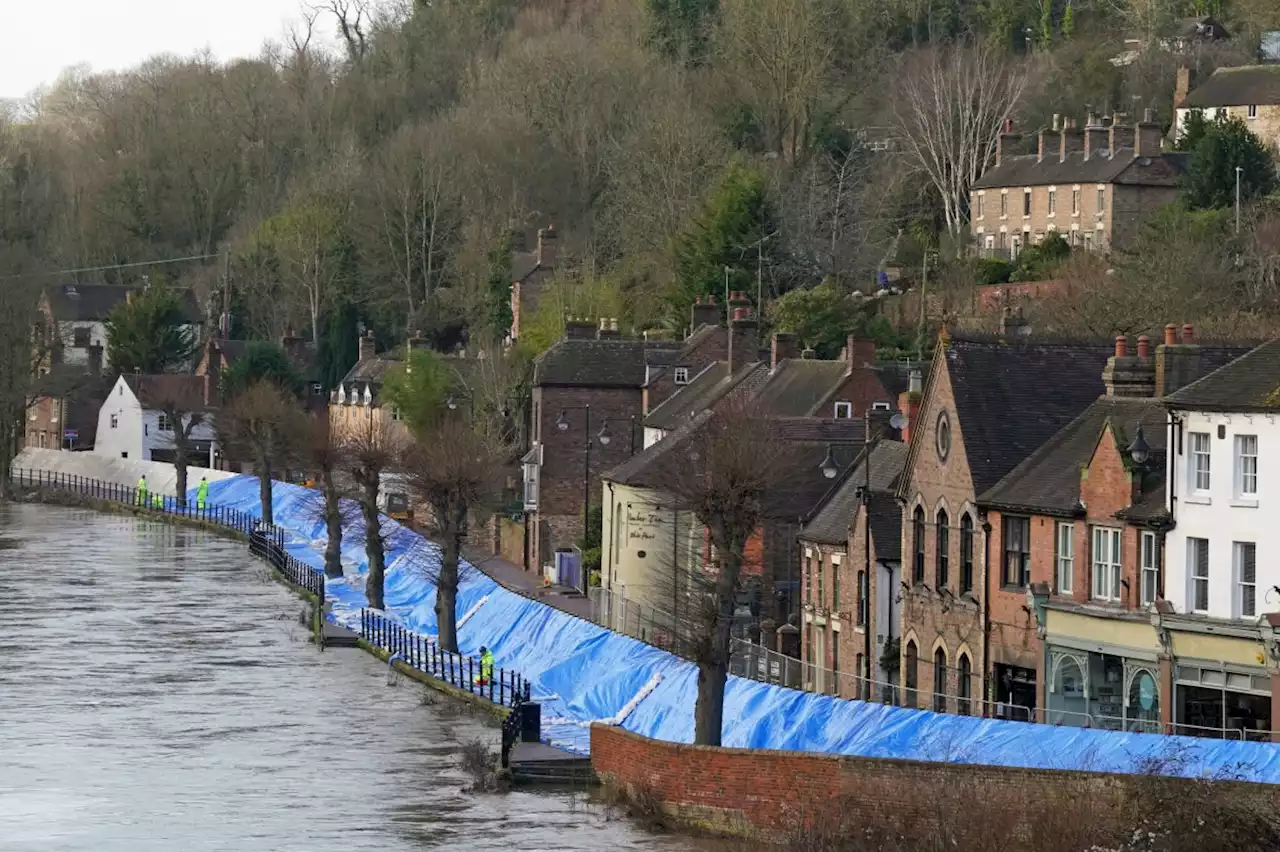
[150, 333]
[1227, 144]
[263, 361]
[681, 29]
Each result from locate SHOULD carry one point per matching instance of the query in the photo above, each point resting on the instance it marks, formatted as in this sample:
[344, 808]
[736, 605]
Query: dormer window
[368, 395]
[844, 410]
[682, 375]
[342, 394]
[881, 406]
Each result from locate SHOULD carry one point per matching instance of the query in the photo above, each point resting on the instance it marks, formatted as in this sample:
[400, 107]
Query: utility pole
[1239, 169]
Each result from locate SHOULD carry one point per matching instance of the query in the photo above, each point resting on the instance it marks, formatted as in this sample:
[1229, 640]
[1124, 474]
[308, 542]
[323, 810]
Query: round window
[944, 435]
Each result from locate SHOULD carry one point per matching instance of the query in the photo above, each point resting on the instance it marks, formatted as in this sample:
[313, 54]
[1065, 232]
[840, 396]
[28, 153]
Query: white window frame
[1252, 111]
[1199, 448]
[1004, 204]
[1064, 557]
[396, 416]
[843, 410]
[1246, 466]
[1027, 203]
[531, 487]
[1075, 201]
[1149, 564]
[1196, 580]
[1243, 583]
[1102, 199]
[982, 206]
[115, 421]
[162, 422]
[1053, 201]
[881, 406]
[681, 375]
[1105, 555]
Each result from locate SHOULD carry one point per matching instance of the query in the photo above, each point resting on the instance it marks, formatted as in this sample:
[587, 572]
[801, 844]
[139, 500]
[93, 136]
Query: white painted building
[79, 313]
[1223, 472]
[132, 423]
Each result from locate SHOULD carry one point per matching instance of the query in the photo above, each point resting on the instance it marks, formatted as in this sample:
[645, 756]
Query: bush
[990, 270]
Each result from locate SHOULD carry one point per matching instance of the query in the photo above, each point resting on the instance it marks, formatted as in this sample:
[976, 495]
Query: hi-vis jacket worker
[202, 493]
[486, 667]
[142, 490]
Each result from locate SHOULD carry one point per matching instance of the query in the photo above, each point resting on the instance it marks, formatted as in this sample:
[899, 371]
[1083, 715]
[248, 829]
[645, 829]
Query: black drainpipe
[985, 614]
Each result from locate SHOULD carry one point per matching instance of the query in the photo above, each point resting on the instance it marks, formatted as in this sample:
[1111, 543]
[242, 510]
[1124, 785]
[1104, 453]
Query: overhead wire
[109, 267]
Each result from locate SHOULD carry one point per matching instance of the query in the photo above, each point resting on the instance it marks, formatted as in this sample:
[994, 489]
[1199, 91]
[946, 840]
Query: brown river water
[157, 694]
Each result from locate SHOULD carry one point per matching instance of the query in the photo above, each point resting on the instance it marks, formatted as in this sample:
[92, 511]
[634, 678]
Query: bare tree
[261, 426]
[22, 351]
[724, 472]
[457, 471]
[950, 105]
[324, 456]
[368, 452]
[184, 415]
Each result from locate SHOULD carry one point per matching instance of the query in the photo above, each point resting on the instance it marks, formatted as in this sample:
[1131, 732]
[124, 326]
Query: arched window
[966, 553]
[912, 664]
[917, 534]
[963, 687]
[940, 681]
[944, 547]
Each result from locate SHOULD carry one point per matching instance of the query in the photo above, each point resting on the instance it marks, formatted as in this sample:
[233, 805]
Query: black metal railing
[268, 543]
[501, 686]
[114, 492]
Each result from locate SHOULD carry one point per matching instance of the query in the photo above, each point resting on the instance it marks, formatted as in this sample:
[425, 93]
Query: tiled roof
[1251, 84]
[1012, 397]
[830, 525]
[688, 401]
[92, 302]
[1048, 481]
[798, 386]
[596, 363]
[1248, 383]
[886, 527]
[159, 390]
[1124, 167]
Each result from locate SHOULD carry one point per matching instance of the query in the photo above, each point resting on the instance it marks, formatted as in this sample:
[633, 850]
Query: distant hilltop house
[1250, 93]
[78, 314]
[1091, 185]
[1186, 35]
[529, 273]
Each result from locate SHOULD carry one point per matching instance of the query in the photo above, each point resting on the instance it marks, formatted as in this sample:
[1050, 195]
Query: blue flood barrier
[585, 673]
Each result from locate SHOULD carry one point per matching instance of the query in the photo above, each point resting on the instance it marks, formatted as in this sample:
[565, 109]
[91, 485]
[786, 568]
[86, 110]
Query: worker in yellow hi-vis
[202, 494]
[142, 490]
[486, 667]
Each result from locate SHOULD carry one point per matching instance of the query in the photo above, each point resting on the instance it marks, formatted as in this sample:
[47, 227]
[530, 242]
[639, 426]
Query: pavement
[529, 584]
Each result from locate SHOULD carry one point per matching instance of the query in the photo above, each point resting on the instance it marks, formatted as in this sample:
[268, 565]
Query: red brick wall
[744, 791]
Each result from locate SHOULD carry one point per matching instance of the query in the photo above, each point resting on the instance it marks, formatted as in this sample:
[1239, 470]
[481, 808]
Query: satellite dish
[897, 421]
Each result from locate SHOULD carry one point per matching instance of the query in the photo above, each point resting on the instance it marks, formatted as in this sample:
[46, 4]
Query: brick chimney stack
[744, 339]
[608, 329]
[909, 402]
[1147, 136]
[1096, 137]
[548, 247]
[579, 328]
[368, 346]
[705, 312]
[1182, 87]
[1119, 134]
[859, 353]
[1070, 141]
[1047, 142]
[1177, 360]
[1007, 142]
[785, 346]
[1130, 375]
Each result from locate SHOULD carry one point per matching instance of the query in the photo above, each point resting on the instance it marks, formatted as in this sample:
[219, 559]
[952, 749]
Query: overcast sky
[40, 38]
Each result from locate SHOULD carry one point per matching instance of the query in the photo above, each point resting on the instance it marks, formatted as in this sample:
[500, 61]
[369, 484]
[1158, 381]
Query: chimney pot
[1122, 346]
[1144, 346]
[1170, 334]
[741, 314]
[1188, 337]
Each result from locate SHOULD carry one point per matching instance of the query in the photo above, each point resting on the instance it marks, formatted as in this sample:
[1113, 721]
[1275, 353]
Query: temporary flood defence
[583, 673]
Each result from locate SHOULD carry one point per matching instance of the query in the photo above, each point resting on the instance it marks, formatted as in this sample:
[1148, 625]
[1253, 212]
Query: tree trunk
[264, 489]
[333, 526]
[7, 435]
[713, 669]
[447, 580]
[708, 712]
[373, 588]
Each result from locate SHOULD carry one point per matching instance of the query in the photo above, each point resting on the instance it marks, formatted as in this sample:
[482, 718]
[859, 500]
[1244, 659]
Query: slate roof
[886, 527]
[1048, 481]
[1012, 397]
[830, 523]
[92, 302]
[698, 395]
[1248, 383]
[1250, 84]
[1123, 168]
[596, 363]
[155, 391]
[798, 386]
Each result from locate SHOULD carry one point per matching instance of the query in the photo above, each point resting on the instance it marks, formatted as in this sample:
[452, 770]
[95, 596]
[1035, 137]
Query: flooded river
[157, 693]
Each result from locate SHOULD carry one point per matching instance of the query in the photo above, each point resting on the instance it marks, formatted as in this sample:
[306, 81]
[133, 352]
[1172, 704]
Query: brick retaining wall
[744, 792]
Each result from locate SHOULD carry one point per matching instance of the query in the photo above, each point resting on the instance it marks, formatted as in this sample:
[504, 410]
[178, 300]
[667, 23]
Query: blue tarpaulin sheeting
[583, 673]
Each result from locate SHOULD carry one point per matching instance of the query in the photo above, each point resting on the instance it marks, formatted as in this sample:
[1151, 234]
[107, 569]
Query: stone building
[1250, 93]
[1092, 186]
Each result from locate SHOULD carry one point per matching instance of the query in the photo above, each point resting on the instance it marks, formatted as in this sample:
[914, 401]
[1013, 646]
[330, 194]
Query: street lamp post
[1239, 169]
[562, 423]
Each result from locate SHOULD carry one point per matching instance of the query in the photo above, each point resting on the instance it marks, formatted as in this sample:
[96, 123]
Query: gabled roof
[1048, 481]
[1123, 168]
[1243, 86]
[1011, 397]
[688, 401]
[93, 302]
[797, 387]
[1248, 383]
[830, 523]
[596, 363]
[157, 391]
[886, 527]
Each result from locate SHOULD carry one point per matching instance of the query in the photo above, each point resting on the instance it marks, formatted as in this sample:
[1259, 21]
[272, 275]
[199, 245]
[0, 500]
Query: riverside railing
[503, 687]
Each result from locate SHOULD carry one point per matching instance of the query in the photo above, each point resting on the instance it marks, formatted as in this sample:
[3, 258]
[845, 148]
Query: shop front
[1221, 700]
[1102, 670]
